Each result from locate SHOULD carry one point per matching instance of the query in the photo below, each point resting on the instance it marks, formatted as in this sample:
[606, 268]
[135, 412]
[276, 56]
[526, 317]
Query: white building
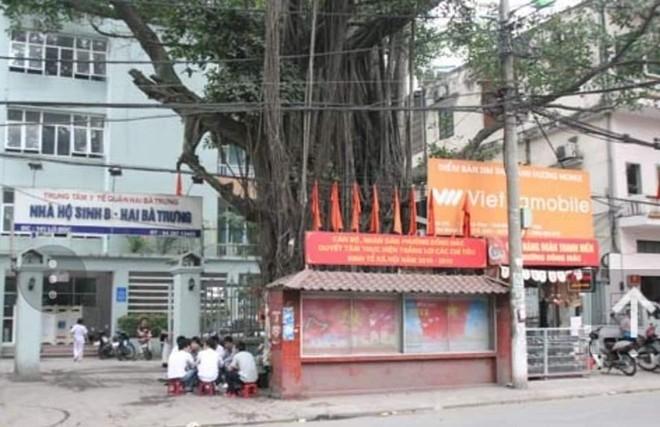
[71, 149]
[625, 177]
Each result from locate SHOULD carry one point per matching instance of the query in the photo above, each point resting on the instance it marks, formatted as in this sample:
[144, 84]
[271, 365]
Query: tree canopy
[254, 97]
[596, 47]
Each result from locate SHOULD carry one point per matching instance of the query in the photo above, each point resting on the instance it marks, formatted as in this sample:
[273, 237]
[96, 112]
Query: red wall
[357, 376]
[294, 376]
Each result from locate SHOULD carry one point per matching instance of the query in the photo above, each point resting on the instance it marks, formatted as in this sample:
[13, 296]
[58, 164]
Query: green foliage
[137, 244]
[486, 153]
[129, 323]
[553, 52]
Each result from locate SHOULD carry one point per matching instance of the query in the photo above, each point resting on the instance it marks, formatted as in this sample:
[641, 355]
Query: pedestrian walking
[79, 332]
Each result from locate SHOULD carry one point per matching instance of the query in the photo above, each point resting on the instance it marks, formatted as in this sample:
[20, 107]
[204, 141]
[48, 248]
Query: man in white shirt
[208, 362]
[242, 370]
[79, 332]
[181, 365]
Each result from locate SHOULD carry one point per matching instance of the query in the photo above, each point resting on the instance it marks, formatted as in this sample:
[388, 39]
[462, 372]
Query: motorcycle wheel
[129, 351]
[627, 364]
[147, 354]
[646, 361]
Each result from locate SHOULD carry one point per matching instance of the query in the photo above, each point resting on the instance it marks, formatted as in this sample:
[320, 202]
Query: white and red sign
[391, 250]
[45, 210]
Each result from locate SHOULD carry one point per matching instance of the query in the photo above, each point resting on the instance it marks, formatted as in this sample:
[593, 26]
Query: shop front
[370, 332]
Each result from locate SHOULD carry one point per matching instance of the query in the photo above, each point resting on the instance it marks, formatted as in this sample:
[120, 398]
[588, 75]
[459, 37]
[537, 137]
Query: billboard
[560, 199]
[43, 210]
[391, 250]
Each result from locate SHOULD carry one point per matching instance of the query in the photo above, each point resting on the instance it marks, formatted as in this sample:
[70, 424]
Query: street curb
[327, 417]
[414, 410]
[549, 398]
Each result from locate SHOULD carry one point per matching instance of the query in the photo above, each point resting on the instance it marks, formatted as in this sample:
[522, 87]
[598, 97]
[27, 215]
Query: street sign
[121, 294]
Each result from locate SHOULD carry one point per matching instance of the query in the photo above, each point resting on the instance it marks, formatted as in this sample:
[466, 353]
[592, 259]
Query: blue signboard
[121, 294]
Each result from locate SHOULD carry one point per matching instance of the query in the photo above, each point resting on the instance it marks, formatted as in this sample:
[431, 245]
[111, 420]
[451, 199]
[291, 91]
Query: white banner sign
[40, 210]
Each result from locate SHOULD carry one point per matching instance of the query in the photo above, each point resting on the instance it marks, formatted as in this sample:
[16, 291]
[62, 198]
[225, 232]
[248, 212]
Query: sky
[523, 7]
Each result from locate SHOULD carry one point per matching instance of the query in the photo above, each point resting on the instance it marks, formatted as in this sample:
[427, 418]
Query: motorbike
[105, 349]
[123, 347]
[648, 349]
[616, 353]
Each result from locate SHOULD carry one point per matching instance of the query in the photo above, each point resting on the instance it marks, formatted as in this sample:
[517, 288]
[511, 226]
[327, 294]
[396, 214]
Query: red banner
[323, 248]
[548, 252]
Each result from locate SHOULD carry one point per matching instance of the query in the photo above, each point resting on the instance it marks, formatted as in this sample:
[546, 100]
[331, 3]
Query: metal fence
[232, 309]
[557, 352]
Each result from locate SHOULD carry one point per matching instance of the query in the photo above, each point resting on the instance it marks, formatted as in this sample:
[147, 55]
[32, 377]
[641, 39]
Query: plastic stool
[175, 387]
[249, 390]
[206, 389]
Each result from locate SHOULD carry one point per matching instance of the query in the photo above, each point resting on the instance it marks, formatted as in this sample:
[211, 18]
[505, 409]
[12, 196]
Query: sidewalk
[115, 393]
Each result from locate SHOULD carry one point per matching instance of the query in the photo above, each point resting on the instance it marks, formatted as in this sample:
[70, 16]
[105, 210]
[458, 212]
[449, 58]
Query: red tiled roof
[311, 280]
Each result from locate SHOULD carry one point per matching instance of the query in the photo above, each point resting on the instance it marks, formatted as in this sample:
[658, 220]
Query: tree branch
[243, 204]
[93, 8]
[471, 148]
[374, 31]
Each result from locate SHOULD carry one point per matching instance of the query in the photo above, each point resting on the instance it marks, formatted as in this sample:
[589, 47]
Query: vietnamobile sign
[560, 199]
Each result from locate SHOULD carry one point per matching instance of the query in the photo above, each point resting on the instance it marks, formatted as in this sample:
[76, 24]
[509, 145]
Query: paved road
[638, 410]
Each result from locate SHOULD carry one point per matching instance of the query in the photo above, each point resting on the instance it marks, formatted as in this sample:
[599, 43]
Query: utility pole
[517, 302]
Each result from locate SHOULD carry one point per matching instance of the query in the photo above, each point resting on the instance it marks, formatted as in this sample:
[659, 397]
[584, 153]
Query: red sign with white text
[391, 250]
[548, 252]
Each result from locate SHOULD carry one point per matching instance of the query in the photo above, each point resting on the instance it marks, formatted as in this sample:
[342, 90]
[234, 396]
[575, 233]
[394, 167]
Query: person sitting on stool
[181, 365]
[242, 370]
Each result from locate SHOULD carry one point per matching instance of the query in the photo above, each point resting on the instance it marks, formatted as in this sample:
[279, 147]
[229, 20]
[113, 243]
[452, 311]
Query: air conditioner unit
[568, 151]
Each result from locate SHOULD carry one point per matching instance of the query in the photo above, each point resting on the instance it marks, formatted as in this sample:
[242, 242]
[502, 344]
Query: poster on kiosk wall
[43, 210]
[561, 232]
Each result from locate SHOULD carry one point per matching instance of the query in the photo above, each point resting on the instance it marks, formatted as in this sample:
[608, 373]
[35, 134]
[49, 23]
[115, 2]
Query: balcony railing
[648, 206]
[242, 250]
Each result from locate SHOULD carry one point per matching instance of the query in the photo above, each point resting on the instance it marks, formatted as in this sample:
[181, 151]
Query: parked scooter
[123, 347]
[616, 353]
[648, 348]
[105, 348]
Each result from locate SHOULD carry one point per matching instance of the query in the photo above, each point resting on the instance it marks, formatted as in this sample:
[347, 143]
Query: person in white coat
[79, 333]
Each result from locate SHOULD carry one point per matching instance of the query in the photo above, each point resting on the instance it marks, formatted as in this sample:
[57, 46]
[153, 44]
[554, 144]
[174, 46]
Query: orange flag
[356, 209]
[316, 209]
[336, 222]
[430, 215]
[374, 226]
[179, 185]
[412, 209]
[396, 207]
[467, 226]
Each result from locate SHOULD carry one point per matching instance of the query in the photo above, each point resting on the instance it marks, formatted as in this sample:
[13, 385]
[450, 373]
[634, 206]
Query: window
[648, 247]
[445, 124]
[7, 209]
[351, 325]
[454, 324]
[628, 71]
[653, 68]
[8, 309]
[233, 162]
[55, 55]
[54, 133]
[236, 236]
[336, 324]
[633, 178]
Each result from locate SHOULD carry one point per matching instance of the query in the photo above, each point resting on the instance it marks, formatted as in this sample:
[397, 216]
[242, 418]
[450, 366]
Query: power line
[215, 107]
[74, 162]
